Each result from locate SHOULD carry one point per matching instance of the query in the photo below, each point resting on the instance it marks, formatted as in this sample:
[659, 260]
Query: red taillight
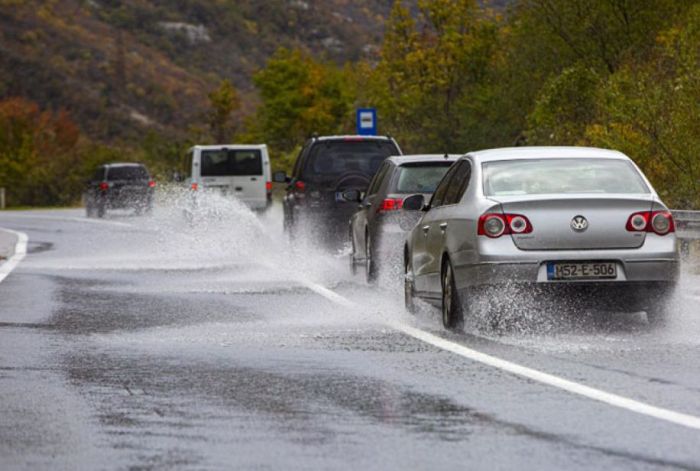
[151, 184]
[300, 185]
[658, 222]
[104, 186]
[495, 225]
[390, 204]
[194, 186]
[268, 186]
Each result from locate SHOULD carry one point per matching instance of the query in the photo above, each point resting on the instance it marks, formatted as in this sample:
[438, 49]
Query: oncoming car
[378, 228]
[583, 224]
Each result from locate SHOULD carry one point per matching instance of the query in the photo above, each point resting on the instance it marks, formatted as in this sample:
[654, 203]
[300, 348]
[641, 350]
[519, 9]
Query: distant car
[578, 222]
[232, 170]
[378, 229]
[325, 168]
[119, 186]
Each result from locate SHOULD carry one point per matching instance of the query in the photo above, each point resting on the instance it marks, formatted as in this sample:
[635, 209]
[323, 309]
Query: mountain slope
[123, 67]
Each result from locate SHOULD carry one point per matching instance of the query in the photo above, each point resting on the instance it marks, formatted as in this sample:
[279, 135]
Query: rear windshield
[331, 159]
[420, 178]
[554, 176]
[131, 172]
[229, 162]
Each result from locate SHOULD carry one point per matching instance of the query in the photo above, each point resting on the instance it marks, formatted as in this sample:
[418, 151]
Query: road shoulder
[8, 244]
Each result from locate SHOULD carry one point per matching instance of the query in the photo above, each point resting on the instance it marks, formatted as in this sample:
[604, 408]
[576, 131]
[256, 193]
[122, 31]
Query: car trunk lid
[582, 222]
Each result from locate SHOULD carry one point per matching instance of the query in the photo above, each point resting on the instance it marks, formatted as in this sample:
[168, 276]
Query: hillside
[123, 67]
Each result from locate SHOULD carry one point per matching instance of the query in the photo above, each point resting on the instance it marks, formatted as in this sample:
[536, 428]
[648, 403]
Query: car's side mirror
[414, 203]
[354, 196]
[280, 177]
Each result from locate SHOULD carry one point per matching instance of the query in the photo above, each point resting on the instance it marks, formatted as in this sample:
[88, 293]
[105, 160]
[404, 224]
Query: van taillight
[194, 186]
[151, 184]
[390, 204]
[104, 186]
[268, 186]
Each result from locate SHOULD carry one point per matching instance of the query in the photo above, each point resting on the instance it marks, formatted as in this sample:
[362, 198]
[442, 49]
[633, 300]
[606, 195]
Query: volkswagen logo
[579, 224]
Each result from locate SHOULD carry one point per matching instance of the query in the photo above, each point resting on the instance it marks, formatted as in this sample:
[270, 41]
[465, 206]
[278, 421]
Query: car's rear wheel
[408, 290]
[452, 311]
[353, 262]
[370, 264]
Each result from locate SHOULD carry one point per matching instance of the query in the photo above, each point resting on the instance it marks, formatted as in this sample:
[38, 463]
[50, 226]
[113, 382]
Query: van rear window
[230, 162]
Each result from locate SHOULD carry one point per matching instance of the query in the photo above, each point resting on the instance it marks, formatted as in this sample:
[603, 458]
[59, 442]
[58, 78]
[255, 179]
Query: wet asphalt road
[147, 343]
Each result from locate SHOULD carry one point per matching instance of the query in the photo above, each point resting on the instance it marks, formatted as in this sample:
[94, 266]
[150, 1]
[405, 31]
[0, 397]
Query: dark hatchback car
[119, 186]
[378, 229]
[325, 169]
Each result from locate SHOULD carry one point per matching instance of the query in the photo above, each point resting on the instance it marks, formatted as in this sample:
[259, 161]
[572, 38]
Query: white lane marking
[573, 387]
[20, 252]
[68, 219]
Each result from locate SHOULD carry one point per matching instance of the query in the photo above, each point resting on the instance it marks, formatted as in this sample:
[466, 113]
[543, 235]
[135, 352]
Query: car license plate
[581, 270]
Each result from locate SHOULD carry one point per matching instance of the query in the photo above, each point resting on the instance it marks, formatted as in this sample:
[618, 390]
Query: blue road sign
[367, 121]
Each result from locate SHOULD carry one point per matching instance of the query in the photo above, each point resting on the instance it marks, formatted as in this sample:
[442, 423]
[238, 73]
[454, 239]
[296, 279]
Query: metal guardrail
[687, 224]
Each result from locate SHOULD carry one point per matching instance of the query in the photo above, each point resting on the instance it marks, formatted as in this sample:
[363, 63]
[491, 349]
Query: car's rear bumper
[499, 261]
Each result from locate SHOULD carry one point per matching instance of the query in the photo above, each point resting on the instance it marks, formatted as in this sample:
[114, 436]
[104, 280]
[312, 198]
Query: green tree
[431, 74]
[223, 102]
[299, 96]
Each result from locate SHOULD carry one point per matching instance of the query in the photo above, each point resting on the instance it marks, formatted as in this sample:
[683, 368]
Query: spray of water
[234, 249]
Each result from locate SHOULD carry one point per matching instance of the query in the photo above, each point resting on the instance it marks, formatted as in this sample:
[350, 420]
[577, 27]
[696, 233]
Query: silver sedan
[582, 223]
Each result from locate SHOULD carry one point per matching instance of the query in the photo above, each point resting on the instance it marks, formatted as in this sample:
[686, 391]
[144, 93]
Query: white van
[239, 171]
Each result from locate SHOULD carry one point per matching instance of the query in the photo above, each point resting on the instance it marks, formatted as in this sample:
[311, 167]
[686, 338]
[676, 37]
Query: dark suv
[119, 186]
[325, 169]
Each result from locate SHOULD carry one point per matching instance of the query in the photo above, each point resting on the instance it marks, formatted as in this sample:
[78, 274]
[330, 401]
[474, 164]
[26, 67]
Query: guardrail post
[2, 198]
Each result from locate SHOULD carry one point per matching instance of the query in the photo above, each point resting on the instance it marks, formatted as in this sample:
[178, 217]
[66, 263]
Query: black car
[378, 229]
[325, 169]
[119, 186]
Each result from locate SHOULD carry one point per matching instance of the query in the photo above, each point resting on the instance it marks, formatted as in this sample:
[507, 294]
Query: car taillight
[658, 222]
[495, 225]
[268, 186]
[300, 185]
[194, 186]
[390, 204]
[151, 184]
[104, 186]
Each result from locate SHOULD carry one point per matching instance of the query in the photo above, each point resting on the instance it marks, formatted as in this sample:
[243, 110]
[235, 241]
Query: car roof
[353, 137]
[229, 146]
[546, 152]
[417, 158]
[124, 164]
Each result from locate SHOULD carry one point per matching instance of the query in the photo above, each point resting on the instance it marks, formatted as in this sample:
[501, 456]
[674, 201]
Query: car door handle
[443, 226]
[426, 229]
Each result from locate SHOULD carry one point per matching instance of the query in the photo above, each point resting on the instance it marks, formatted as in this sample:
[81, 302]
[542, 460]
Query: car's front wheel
[452, 311]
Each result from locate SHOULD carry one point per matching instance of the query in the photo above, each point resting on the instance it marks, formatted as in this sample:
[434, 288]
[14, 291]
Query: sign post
[367, 121]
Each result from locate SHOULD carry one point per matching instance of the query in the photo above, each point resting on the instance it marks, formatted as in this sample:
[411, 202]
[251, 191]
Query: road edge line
[20, 252]
[579, 389]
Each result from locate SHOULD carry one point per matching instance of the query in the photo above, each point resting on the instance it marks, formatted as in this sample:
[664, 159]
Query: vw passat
[584, 224]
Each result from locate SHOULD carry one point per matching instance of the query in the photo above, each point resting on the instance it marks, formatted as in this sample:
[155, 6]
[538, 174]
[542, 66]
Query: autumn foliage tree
[40, 161]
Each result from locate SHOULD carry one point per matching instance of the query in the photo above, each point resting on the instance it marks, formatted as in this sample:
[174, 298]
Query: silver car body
[450, 232]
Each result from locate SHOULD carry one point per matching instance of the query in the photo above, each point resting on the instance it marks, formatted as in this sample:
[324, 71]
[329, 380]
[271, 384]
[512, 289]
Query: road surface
[136, 342]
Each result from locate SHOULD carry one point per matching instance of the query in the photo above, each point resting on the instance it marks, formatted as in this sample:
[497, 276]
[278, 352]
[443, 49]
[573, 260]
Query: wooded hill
[123, 67]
